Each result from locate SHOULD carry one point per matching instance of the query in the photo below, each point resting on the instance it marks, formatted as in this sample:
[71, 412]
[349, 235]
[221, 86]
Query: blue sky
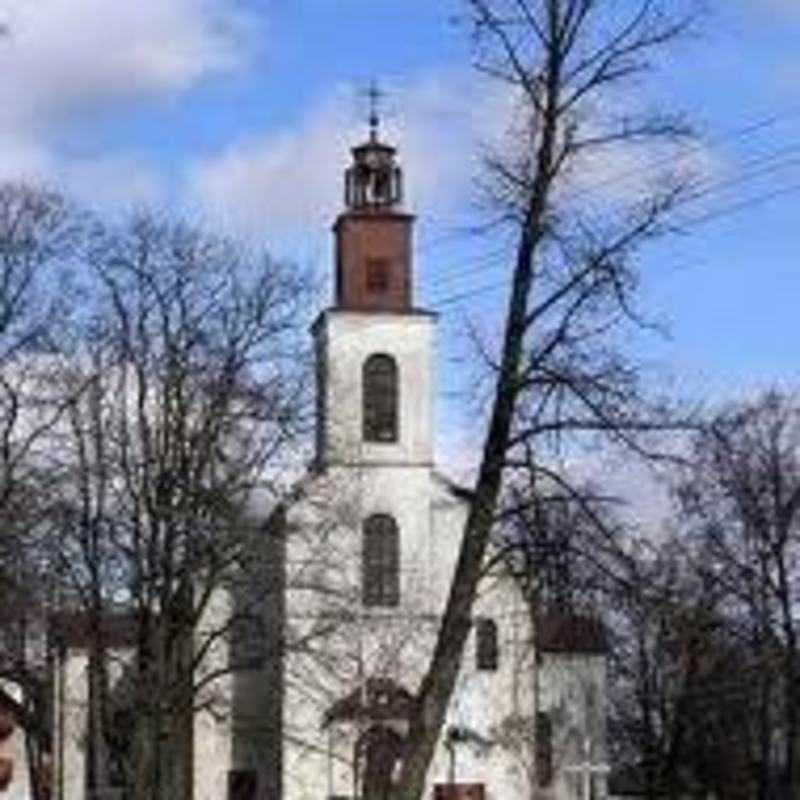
[242, 111]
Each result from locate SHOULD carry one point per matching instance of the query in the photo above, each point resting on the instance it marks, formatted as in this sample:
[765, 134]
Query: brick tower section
[373, 233]
[373, 261]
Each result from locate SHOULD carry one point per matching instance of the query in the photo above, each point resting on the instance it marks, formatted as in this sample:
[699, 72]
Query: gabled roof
[11, 712]
[74, 629]
[379, 700]
[564, 632]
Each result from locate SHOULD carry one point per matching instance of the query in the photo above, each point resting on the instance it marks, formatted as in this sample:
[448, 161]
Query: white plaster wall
[332, 643]
[14, 748]
[324, 568]
[348, 338]
[212, 756]
[212, 725]
[72, 709]
[324, 591]
[572, 691]
[497, 705]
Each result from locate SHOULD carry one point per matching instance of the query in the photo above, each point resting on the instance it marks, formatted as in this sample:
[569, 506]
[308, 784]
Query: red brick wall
[362, 237]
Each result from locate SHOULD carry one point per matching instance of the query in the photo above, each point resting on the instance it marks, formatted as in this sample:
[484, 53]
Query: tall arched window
[380, 396]
[380, 570]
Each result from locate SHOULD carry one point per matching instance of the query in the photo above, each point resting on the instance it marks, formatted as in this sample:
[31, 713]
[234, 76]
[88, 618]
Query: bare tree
[741, 497]
[185, 385]
[38, 234]
[573, 276]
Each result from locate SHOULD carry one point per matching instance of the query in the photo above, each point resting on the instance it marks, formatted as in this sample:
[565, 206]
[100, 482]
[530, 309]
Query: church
[361, 577]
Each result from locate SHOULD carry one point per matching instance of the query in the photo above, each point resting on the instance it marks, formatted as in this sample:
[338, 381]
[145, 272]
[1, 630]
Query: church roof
[7, 724]
[10, 712]
[563, 632]
[74, 630]
[379, 699]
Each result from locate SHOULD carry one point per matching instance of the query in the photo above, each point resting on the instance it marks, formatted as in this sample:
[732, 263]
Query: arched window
[486, 648]
[379, 386]
[380, 577]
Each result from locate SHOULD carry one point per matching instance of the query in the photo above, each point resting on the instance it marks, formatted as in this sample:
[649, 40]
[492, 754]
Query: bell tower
[374, 349]
[373, 234]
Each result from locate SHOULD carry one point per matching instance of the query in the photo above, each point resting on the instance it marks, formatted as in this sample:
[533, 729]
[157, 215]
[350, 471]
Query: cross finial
[375, 95]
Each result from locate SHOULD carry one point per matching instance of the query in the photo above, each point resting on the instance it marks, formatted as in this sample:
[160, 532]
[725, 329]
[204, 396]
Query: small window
[380, 579]
[377, 275]
[544, 749]
[486, 650]
[380, 398]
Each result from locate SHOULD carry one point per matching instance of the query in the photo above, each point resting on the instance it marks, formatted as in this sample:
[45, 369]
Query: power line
[622, 176]
[767, 164]
[697, 221]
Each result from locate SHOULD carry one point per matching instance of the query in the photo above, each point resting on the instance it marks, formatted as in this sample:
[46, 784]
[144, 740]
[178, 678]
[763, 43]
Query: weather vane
[374, 94]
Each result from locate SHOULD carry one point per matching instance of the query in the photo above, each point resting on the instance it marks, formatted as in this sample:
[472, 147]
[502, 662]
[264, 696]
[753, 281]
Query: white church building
[364, 566]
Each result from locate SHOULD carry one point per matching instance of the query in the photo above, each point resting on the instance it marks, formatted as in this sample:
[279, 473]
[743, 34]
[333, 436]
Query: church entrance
[375, 714]
[379, 751]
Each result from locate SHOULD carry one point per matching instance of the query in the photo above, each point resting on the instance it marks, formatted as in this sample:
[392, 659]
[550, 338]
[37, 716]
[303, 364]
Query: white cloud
[287, 178]
[21, 157]
[292, 179]
[114, 179]
[62, 56]
[442, 122]
[63, 59]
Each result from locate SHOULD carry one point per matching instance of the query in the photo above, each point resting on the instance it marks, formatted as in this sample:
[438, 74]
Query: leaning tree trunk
[439, 681]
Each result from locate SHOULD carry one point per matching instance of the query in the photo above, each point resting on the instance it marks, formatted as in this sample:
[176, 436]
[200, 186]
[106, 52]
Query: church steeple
[373, 233]
[374, 348]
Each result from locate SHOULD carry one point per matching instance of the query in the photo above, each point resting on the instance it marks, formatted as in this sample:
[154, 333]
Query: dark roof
[11, 713]
[384, 698]
[7, 725]
[73, 629]
[562, 632]
[14, 607]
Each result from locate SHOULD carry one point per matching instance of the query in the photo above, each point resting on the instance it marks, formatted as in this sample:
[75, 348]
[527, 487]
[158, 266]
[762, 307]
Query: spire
[373, 232]
[375, 95]
[374, 182]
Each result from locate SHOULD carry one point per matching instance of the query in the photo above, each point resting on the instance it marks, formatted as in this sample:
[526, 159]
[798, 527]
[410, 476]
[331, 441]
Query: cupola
[374, 234]
[374, 182]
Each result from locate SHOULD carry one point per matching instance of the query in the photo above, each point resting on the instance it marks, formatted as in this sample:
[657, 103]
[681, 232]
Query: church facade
[371, 547]
[364, 560]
